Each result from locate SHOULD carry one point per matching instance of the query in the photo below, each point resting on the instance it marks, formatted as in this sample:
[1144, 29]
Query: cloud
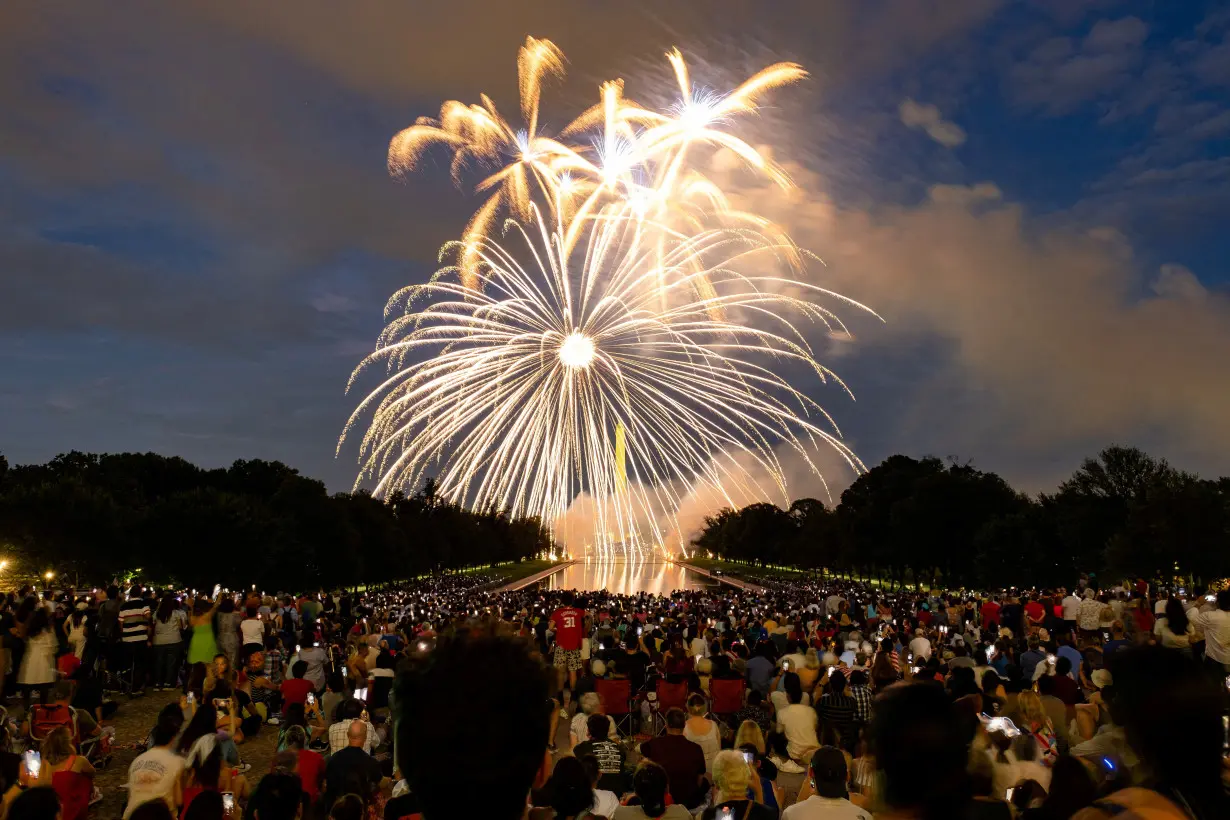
[1061, 73]
[928, 118]
[1046, 330]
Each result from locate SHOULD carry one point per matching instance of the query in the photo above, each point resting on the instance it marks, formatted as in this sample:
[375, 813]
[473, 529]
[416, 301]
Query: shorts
[569, 659]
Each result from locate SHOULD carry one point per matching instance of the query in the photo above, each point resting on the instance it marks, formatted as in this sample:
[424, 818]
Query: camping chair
[667, 696]
[726, 695]
[616, 698]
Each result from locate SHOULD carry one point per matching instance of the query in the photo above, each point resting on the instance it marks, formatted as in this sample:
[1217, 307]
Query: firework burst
[620, 299]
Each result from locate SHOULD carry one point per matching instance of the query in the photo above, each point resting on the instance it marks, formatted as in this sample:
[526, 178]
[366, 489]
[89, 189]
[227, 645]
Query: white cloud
[928, 118]
[1049, 328]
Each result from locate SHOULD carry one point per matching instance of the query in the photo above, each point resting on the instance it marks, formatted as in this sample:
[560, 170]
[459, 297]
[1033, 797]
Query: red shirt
[295, 690]
[990, 613]
[1035, 611]
[311, 771]
[569, 626]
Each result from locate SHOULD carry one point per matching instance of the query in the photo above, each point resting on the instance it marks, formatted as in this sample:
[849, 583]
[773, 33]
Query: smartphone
[749, 758]
[34, 764]
[1050, 659]
[639, 630]
[191, 698]
[311, 699]
[786, 665]
[1008, 794]
[345, 672]
[228, 802]
[727, 813]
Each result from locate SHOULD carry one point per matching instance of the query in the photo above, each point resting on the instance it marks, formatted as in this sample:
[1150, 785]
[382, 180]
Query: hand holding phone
[228, 802]
[311, 699]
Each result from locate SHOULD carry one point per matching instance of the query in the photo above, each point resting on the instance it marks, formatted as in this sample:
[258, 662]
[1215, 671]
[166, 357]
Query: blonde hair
[57, 746]
[811, 660]
[731, 774]
[1030, 706]
[750, 734]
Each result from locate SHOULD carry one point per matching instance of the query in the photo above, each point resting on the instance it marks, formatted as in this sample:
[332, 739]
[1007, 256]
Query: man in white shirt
[154, 775]
[1216, 627]
[920, 647]
[831, 801]
[833, 603]
[1072, 609]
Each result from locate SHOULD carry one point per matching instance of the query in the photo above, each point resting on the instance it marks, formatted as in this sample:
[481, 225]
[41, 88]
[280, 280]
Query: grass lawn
[510, 571]
[743, 571]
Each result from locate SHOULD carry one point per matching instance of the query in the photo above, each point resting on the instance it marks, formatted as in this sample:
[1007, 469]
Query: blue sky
[198, 233]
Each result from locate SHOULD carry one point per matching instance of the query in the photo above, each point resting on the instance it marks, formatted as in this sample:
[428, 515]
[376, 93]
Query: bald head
[356, 733]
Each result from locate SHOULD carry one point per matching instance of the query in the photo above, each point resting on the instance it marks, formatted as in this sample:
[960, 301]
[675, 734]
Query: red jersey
[990, 613]
[1035, 611]
[569, 627]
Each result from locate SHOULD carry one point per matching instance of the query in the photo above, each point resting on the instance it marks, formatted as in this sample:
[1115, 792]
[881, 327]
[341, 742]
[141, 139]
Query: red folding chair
[616, 696]
[668, 696]
[726, 695]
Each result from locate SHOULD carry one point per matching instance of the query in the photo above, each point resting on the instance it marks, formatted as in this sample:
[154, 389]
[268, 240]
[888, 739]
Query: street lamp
[49, 575]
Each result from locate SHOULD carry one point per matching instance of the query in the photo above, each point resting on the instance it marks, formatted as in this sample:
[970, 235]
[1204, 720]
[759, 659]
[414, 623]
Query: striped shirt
[134, 621]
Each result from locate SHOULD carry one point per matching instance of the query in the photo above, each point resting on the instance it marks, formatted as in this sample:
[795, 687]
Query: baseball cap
[1101, 678]
[828, 767]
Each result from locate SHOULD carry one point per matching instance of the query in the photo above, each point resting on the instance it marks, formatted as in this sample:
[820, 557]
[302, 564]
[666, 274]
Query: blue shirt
[1071, 654]
[760, 673]
[1029, 662]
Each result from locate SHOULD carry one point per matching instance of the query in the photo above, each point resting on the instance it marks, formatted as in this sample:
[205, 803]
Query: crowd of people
[448, 697]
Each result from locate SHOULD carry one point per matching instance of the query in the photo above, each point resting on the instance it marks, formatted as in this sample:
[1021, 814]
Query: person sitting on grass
[204, 771]
[296, 688]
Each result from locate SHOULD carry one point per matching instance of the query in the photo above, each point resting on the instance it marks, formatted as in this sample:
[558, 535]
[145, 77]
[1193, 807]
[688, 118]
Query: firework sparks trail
[620, 297]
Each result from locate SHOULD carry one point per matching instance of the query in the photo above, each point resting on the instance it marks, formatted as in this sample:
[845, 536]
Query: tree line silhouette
[95, 517]
[1122, 514]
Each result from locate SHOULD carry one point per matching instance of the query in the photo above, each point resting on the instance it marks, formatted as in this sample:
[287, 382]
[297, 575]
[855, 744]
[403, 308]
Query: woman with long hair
[676, 661]
[169, 625]
[1174, 629]
[883, 673]
[38, 663]
[1037, 723]
[77, 632]
[70, 774]
[750, 734]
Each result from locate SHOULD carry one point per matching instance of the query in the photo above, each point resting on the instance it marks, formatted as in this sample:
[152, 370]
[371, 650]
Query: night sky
[198, 232]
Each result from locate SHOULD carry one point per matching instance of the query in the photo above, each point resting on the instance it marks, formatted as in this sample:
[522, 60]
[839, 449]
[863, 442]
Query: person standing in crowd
[135, 631]
[203, 646]
[568, 622]
[227, 621]
[38, 661]
[169, 624]
[1216, 627]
